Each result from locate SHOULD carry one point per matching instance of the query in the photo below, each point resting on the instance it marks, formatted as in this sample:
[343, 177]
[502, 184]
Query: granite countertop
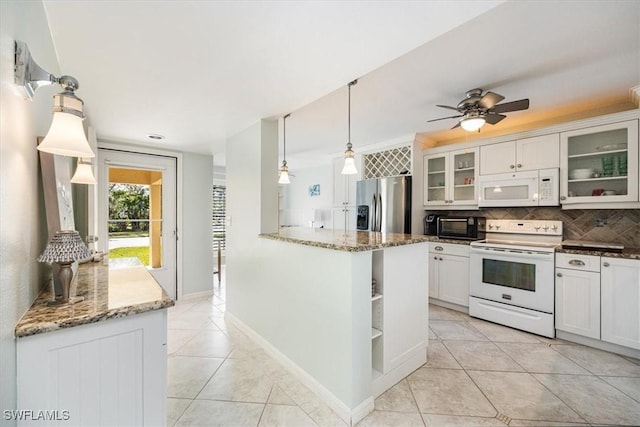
[629, 253]
[351, 241]
[109, 292]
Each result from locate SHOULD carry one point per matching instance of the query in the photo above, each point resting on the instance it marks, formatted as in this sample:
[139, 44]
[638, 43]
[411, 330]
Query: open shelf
[435, 172]
[602, 178]
[375, 333]
[465, 169]
[596, 154]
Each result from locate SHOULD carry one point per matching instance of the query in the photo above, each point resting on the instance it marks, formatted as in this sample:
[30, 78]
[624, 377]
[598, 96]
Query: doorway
[137, 212]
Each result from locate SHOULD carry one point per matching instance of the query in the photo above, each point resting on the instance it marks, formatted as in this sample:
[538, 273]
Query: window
[219, 214]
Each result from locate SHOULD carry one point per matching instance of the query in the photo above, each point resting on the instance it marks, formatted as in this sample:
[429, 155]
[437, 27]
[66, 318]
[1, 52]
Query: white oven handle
[496, 252]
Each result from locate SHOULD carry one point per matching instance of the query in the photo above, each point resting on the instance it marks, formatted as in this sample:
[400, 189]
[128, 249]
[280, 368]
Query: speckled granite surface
[629, 253]
[108, 294]
[352, 241]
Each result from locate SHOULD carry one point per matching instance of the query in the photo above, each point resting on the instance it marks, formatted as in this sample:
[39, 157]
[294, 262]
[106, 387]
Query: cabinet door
[435, 179]
[498, 158]
[433, 275]
[600, 164]
[539, 152]
[344, 186]
[578, 302]
[463, 177]
[339, 215]
[453, 279]
[621, 301]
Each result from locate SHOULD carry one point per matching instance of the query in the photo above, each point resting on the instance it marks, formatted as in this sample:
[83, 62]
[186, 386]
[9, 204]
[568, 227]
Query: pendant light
[84, 173]
[349, 161]
[284, 169]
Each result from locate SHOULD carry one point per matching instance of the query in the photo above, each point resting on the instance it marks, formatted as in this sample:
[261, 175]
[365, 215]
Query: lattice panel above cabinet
[387, 163]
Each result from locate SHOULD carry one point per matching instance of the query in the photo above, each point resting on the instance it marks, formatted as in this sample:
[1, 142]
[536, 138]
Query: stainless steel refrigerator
[384, 204]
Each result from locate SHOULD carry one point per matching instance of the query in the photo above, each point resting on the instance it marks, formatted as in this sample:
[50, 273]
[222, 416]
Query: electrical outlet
[601, 222]
[92, 239]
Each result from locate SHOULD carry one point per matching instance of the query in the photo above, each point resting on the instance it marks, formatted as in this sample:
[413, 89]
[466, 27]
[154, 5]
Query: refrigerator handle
[379, 212]
[374, 215]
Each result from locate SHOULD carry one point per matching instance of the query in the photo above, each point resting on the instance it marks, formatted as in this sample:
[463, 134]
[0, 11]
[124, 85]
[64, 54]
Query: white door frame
[179, 195]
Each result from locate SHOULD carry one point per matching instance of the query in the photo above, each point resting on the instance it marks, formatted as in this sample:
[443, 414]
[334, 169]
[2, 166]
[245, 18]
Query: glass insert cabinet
[450, 178]
[600, 164]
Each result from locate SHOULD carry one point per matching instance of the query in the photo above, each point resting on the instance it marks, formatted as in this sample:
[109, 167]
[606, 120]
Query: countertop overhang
[108, 293]
[350, 241]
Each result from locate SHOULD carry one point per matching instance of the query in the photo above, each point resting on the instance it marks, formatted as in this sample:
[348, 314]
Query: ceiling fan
[477, 109]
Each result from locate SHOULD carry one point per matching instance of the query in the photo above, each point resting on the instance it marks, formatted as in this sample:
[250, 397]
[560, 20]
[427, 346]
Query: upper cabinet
[539, 152]
[450, 178]
[599, 164]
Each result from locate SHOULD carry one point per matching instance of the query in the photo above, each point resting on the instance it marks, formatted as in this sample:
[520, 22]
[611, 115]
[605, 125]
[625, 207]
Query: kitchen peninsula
[315, 310]
[101, 361]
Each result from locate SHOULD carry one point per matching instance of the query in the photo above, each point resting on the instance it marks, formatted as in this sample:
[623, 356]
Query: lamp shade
[66, 246]
[349, 167]
[284, 177]
[472, 124]
[84, 173]
[66, 137]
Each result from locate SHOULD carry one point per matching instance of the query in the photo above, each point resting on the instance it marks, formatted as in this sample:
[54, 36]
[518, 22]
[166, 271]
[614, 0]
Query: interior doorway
[137, 212]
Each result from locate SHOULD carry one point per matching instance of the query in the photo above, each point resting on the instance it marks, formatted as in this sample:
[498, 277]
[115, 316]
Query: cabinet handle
[512, 167]
[559, 274]
[435, 257]
[439, 248]
[519, 165]
[563, 198]
[440, 259]
[576, 262]
[605, 264]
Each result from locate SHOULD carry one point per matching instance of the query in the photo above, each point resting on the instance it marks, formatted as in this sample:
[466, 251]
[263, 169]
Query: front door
[137, 212]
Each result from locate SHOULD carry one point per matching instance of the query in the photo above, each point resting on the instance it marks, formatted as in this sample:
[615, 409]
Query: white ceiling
[200, 71]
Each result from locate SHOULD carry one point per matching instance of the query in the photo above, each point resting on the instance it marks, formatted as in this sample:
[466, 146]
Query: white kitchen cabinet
[539, 152]
[338, 216]
[593, 162]
[112, 372]
[449, 273]
[344, 186]
[450, 178]
[620, 281]
[578, 294]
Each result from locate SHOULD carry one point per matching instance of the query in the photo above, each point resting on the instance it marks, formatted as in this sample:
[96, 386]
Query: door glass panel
[135, 216]
[510, 274]
[436, 179]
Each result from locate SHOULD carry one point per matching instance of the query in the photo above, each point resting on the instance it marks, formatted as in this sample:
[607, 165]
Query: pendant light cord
[284, 137]
[349, 114]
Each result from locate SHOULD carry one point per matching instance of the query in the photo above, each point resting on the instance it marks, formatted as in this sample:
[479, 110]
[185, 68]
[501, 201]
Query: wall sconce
[66, 135]
[84, 173]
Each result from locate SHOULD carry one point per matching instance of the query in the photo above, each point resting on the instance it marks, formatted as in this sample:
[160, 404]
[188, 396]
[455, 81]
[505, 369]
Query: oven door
[520, 278]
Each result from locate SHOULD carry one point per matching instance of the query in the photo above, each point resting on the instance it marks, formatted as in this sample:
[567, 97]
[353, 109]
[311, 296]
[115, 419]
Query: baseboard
[449, 305]
[196, 295]
[601, 345]
[349, 416]
[388, 380]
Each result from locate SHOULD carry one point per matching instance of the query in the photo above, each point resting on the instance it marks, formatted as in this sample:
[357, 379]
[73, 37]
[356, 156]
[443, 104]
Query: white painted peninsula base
[312, 309]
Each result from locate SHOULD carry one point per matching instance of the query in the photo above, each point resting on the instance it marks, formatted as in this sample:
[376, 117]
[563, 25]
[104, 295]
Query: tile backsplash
[601, 225]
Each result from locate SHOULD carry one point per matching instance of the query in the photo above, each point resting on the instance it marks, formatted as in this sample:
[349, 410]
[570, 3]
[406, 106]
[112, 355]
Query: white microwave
[530, 188]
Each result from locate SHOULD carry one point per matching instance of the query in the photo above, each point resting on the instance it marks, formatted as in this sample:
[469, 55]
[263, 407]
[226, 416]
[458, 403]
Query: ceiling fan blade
[456, 126]
[489, 100]
[447, 106]
[492, 118]
[521, 104]
[444, 118]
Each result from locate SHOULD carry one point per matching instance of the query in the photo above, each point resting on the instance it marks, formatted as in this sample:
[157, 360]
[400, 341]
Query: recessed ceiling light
[155, 136]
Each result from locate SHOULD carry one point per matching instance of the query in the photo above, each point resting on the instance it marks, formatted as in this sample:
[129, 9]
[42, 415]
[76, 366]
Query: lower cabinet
[620, 281]
[578, 295]
[449, 273]
[113, 372]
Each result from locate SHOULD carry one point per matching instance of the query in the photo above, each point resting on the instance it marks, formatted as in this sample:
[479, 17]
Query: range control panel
[527, 226]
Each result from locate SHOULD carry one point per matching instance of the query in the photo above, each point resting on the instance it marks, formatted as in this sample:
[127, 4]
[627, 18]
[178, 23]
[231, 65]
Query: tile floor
[477, 374]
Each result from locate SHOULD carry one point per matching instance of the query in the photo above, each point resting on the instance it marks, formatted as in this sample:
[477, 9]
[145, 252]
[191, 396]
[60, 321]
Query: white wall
[197, 230]
[299, 207]
[23, 230]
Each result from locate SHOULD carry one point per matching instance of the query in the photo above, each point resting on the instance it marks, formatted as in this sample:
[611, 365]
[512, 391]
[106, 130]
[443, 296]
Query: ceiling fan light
[472, 124]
